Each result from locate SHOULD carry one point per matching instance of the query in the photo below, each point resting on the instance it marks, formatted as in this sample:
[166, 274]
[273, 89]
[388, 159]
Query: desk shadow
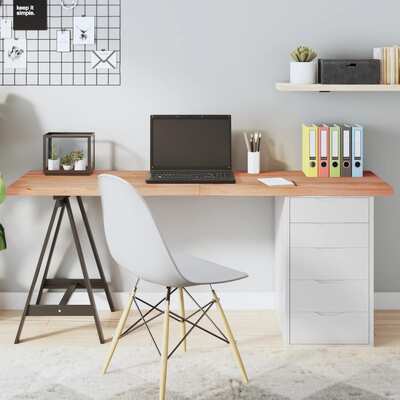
[269, 153]
[26, 220]
[20, 150]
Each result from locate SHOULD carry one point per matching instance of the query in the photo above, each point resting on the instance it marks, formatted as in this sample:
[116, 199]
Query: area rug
[276, 373]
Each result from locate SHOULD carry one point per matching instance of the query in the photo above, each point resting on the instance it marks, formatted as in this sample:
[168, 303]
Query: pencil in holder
[253, 162]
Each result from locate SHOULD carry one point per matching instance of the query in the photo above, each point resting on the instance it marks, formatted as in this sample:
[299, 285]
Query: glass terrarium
[69, 153]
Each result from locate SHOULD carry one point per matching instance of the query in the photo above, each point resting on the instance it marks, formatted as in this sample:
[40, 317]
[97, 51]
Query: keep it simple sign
[30, 15]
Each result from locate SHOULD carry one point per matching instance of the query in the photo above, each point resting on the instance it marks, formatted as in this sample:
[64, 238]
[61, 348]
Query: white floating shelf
[293, 87]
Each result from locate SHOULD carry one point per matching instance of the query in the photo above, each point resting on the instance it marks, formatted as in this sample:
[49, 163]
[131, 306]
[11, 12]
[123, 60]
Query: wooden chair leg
[183, 315]
[118, 331]
[164, 354]
[231, 338]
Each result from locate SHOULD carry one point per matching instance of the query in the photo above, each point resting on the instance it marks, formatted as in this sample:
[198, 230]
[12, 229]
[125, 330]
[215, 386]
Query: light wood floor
[247, 325]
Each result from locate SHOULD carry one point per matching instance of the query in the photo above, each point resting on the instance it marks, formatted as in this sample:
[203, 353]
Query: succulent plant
[303, 54]
[54, 152]
[77, 155]
[67, 160]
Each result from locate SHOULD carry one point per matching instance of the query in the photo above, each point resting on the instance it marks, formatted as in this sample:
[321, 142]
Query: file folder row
[333, 150]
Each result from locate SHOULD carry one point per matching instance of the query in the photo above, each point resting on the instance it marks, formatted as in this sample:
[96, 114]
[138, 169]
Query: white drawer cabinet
[328, 263]
[329, 295]
[329, 328]
[329, 210]
[324, 276]
[329, 235]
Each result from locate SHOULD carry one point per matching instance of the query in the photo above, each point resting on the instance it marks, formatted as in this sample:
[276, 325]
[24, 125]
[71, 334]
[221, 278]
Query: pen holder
[253, 162]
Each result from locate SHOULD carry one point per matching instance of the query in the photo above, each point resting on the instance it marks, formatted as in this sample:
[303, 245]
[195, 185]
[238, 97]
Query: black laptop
[191, 149]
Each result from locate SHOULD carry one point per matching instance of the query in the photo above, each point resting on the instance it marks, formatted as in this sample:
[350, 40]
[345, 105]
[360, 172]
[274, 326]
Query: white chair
[132, 235]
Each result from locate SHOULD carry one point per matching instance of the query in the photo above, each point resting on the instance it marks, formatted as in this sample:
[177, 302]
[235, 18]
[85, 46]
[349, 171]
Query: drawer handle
[326, 282]
[328, 314]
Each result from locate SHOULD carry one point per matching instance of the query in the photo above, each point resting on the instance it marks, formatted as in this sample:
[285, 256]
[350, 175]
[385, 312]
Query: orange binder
[323, 150]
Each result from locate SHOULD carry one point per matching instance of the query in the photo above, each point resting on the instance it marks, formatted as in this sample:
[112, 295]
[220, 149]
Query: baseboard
[230, 300]
[387, 301]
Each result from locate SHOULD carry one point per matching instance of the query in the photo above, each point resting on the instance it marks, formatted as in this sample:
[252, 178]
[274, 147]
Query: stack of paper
[276, 182]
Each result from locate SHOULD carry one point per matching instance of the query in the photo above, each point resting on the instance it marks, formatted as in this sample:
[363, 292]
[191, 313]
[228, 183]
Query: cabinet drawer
[329, 296]
[329, 263]
[320, 328]
[329, 235]
[329, 209]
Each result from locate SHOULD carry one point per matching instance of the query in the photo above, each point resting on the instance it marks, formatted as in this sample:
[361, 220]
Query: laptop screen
[196, 142]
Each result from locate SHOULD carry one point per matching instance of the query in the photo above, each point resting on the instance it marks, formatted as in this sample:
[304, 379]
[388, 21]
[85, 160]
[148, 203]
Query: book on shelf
[390, 65]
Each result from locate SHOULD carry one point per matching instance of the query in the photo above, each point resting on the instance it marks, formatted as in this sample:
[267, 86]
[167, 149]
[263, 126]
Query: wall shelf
[293, 87]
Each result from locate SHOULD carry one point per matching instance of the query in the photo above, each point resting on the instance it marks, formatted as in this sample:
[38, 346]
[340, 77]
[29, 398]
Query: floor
[60, 358]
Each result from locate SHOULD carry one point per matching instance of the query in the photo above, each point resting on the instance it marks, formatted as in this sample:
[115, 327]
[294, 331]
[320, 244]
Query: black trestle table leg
[37, 271]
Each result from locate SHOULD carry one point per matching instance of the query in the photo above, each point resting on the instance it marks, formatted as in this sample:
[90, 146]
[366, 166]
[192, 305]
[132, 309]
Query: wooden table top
[35, 183]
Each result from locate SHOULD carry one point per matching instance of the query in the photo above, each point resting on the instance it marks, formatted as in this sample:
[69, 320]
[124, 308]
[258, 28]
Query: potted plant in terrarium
[303, 68]
[78, 158]
[67, 162]
[53, 163]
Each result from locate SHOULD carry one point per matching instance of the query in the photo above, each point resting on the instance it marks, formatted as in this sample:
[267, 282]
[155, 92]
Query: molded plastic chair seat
[197, 271]
[136, 243]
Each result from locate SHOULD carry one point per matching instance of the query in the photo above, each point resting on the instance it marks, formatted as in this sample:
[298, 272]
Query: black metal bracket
[61, 205]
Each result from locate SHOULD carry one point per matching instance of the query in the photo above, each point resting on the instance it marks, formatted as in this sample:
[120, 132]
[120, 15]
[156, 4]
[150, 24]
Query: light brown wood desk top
[35, 183]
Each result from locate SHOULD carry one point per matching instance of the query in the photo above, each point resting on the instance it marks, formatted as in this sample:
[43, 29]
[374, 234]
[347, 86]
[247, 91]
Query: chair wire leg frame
[201, 313]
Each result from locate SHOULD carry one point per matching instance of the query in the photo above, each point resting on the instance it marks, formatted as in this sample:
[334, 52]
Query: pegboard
[45, 66]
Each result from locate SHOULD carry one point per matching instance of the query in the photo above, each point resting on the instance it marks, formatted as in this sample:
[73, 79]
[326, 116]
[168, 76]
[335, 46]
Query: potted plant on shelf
[78, 158]
[303, 68]
[67, 162]
[53, 163]
[3, 244]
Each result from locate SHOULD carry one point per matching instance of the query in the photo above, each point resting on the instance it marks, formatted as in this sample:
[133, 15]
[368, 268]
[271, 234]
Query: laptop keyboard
[193, 176]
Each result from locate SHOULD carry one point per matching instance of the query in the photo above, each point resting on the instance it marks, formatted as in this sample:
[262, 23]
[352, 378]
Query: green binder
[335, 159]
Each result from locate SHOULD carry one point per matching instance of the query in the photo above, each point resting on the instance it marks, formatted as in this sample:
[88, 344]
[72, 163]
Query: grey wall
[208, 57]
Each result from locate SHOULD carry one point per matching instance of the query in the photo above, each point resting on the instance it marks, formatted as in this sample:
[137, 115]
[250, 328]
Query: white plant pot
[53, 165]
[68, 167]
[303, 72]
[80, 165]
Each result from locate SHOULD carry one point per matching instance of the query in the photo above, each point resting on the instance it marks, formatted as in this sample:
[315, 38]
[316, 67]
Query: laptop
[191, 149]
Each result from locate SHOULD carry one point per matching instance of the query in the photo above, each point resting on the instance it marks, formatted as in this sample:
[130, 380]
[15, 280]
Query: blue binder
[357, 151]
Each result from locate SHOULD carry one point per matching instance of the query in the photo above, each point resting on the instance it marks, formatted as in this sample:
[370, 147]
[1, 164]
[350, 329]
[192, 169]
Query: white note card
[276, 182]
[15, 53]
[63, 41]
[84, 30]
[5, 29]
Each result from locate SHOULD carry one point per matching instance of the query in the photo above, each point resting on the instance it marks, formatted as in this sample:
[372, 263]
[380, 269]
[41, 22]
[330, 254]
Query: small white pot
[53, 165]
[253, 162]
[303, 72]
[80, 165]
[68, 167]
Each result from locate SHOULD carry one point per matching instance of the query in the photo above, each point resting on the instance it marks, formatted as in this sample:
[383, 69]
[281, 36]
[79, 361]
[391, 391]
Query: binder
[310, 150]
[334, 170]
[323, 150]
[345, 150]
[357, 151]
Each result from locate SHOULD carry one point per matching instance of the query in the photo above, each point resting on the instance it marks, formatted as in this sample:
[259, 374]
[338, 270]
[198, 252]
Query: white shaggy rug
[72, 371]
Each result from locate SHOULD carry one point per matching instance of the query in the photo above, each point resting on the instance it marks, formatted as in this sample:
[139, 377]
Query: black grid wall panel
[47, 67]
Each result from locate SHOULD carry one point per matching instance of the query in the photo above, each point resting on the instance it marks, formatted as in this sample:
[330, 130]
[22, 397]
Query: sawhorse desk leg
[63, 204]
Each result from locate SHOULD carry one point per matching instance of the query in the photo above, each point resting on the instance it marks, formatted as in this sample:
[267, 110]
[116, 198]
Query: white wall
[207, 57]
